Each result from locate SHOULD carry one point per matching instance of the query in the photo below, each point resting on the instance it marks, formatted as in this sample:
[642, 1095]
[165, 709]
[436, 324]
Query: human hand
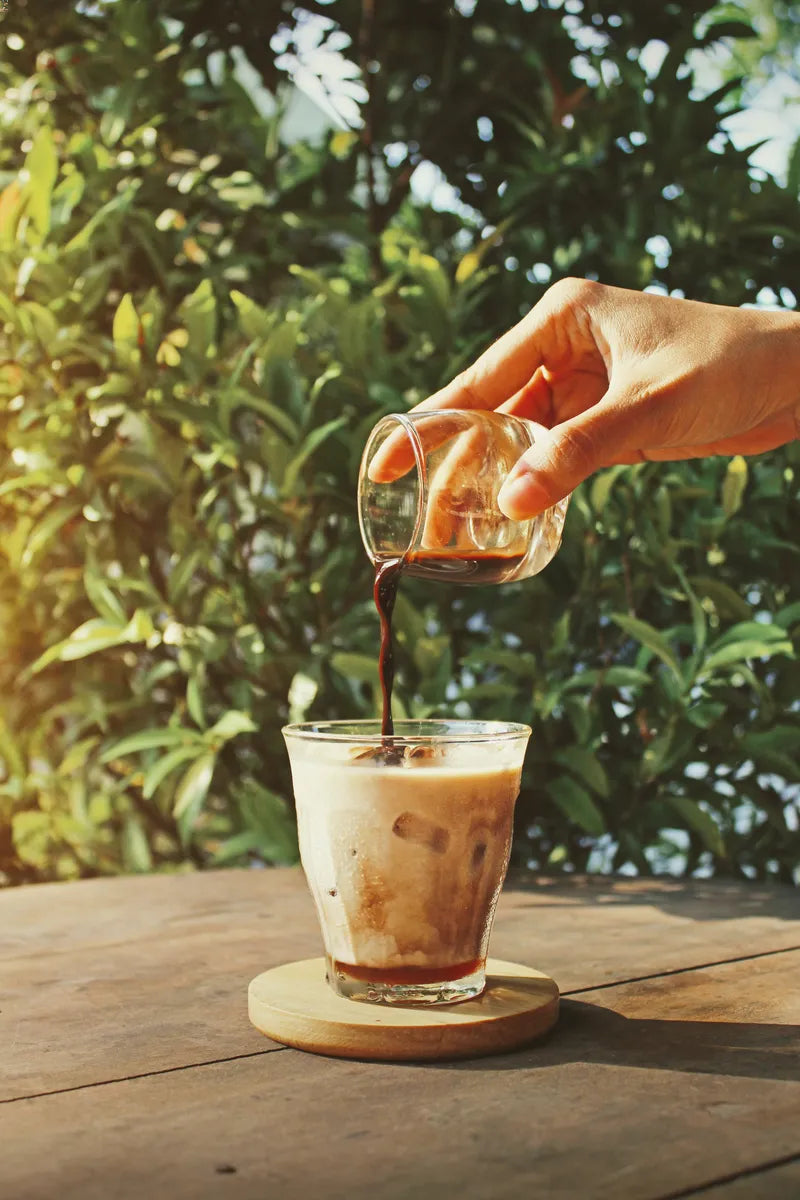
[618, 376]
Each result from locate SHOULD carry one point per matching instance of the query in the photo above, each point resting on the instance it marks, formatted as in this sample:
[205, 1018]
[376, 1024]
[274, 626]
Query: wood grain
[643, 1090]
[81, 961]
[776, 1183]
[294, 1004]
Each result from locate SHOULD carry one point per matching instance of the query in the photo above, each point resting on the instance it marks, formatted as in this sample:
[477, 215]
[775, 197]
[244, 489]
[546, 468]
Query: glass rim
[405, 421]
[413, 415]
[367, 731]
[409, 422]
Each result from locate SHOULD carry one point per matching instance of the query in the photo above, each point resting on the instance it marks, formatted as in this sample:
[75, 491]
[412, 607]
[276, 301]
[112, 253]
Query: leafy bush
[205, 312]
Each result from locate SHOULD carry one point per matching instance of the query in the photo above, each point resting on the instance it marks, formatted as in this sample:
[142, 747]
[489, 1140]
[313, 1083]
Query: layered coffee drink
[405, 827]
[405, 849]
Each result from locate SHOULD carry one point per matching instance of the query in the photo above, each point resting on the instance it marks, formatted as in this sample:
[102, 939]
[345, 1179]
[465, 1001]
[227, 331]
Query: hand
[618, 376]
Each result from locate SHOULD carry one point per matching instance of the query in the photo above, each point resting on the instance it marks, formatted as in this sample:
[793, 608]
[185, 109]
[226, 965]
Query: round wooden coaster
[293, 1004]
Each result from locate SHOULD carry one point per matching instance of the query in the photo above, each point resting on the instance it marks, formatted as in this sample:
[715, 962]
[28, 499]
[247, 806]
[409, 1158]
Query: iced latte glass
[405, 844]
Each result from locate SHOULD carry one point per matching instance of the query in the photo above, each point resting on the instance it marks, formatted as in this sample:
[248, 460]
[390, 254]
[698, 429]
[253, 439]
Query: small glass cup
[427, 493]
[405, 845]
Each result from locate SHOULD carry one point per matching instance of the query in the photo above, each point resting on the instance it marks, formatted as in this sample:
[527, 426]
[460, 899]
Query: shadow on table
[588, 1034]
[699, 900]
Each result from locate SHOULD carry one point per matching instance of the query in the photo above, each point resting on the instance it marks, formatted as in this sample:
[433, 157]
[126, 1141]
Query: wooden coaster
[293, 1004]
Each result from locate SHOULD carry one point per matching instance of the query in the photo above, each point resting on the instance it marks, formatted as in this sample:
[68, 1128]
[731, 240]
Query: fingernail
[522, 497]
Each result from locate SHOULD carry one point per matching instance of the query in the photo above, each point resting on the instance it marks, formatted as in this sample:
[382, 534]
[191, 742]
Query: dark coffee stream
[387, 577]
[477, 567]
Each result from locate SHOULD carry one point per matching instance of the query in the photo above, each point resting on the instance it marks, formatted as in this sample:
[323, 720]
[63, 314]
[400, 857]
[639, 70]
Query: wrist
[781, 361]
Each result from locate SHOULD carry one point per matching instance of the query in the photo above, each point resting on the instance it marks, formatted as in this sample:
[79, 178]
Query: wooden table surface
[128, 1068]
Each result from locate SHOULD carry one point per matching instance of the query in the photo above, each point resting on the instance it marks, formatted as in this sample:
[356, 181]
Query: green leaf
[584, 763]
[135, 847]
[699, 622]
[277, 455]
[103, 599]
[32, 479]
[428, 271]
[428, 653]
[649, 637]
[236, 847]
[115, 206]
[11, 206]
[617, 677]
[94, 635]
[407, 621]
[77, 755]
[66, 196]
[127, 463]
[254, 321]
[233, 398]
[734, 485]
[194, 701]
[265, 814]
[310, 444]
[140, 627]
[705, 713]
[182, 574]
[336, 291]
[781, 739]
[230, 725]
[165, 765]
[199, 314]
[739, 652]
[701, 822]
[793, 170]
[334, 371]
[490, 691]
[126, 332]
[728, 603]
[472, 260]
[150, 739]
[728, 29]
[576, 804]
[55, 518]
[513, 661]
[112, 127]
[191, 793]
[757, 631]
[603, 484]
[41, 164]
[788, 616]
[361, 667]
[44, 322]
[342, 142]
[657, 753]
[577, 710]
[10, 752]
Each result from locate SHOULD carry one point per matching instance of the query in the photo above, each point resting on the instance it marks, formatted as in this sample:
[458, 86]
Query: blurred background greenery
[232, 237]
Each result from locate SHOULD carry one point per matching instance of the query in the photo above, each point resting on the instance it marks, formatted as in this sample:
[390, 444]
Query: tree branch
[366, 44]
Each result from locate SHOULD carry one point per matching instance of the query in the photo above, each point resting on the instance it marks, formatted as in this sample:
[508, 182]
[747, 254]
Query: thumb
[559, 460]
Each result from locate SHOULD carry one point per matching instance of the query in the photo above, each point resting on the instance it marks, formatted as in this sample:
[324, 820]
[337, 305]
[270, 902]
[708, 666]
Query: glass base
[373, 986]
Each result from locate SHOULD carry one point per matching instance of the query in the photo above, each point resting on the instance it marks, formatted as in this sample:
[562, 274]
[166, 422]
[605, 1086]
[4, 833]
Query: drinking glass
[427, 493]
[405, 844]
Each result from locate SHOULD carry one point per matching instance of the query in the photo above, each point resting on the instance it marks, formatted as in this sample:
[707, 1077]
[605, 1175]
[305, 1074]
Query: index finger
[491, 381]
[503, 369]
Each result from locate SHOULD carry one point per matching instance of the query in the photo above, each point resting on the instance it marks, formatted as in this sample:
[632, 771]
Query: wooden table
[128, 1068]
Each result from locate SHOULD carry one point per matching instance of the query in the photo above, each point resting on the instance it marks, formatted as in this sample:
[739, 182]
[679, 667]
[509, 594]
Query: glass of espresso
[405, 843]
[427, 495]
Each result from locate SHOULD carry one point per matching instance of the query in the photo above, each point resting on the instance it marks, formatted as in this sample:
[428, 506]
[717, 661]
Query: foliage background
[210, 288]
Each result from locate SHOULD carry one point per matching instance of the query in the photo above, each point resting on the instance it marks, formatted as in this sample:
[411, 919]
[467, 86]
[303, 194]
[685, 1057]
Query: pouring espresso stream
[474, 567]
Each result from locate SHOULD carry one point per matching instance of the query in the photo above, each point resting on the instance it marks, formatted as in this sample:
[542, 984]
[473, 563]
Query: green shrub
[203, 315]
